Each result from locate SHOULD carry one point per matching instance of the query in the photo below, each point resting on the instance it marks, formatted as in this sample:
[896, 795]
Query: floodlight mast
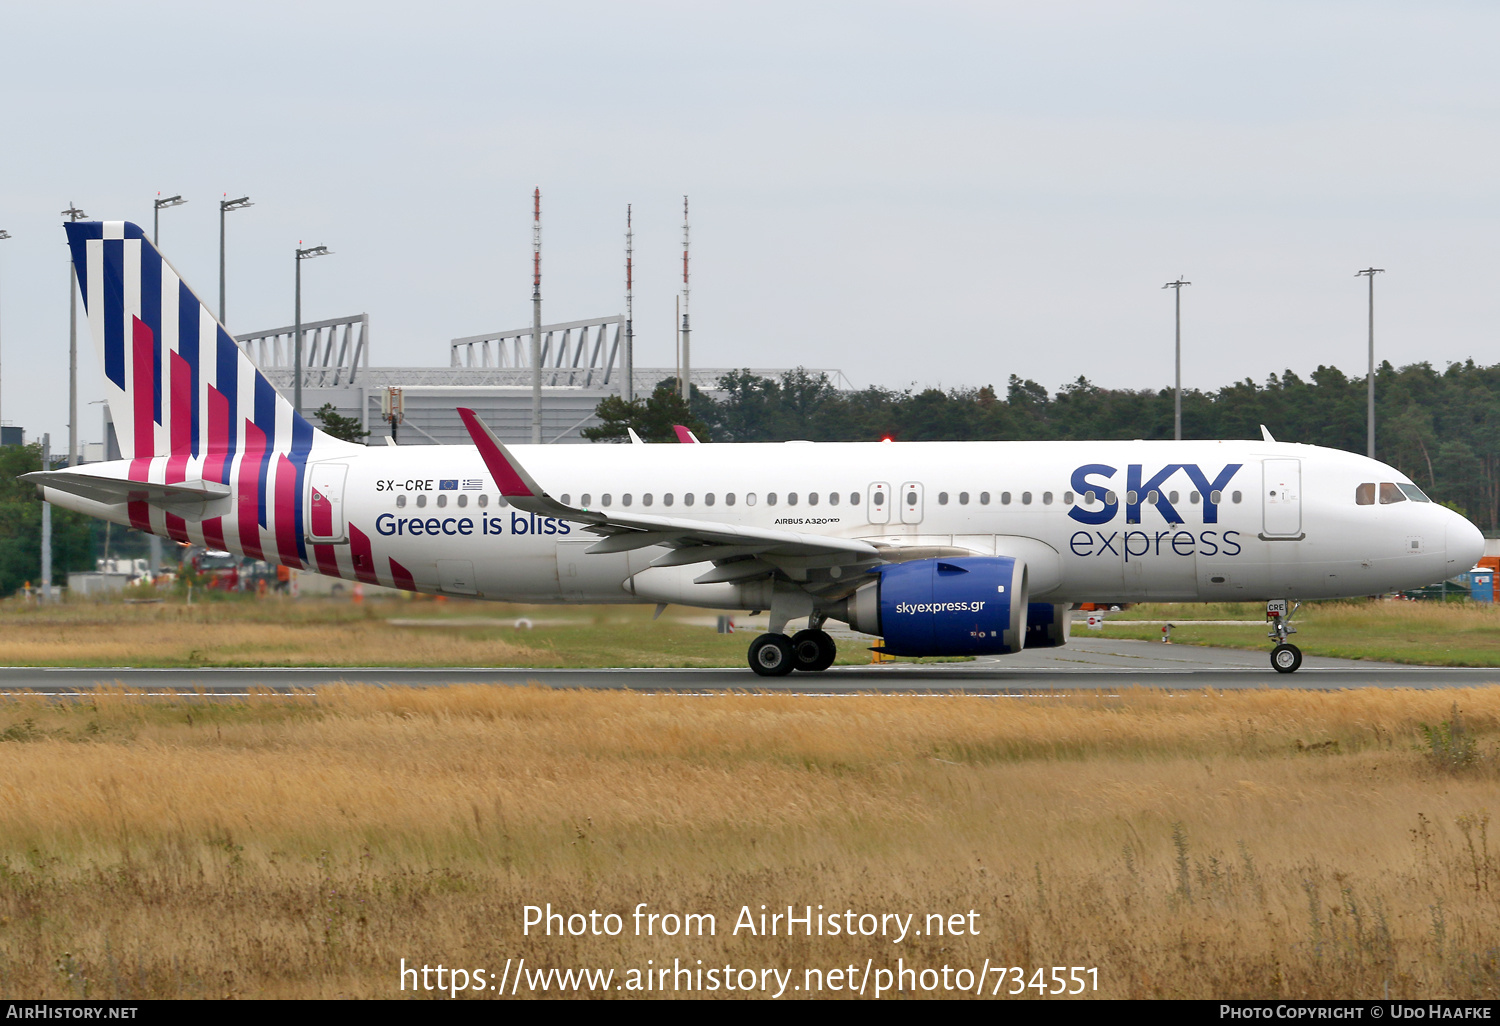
[1370, 272]
[536, 317]
[225, 206]
[73, 214]
[302, 254]
[1176, 286]
[3, 235]
[159, 206]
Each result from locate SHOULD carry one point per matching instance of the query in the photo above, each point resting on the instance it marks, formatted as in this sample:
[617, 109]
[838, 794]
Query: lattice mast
[685, 387]
[536, 317]
[629, 390]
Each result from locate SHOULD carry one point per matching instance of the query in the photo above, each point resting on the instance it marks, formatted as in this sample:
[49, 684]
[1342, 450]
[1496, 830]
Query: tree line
[1440, 428]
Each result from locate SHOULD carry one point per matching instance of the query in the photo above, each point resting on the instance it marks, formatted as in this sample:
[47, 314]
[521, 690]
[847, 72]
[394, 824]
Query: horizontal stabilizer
[192, 500]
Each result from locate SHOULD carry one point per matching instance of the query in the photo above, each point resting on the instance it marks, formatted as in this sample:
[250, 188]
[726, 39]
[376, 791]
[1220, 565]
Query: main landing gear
[1285, 657]
[776, 655]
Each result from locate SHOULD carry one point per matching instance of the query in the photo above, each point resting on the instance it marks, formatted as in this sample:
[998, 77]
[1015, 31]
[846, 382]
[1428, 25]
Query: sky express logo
[1140, 490]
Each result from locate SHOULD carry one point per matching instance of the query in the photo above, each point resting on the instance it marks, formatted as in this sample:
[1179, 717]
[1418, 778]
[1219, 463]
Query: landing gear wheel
[813, 651]
[771, 655]
[1286, 658]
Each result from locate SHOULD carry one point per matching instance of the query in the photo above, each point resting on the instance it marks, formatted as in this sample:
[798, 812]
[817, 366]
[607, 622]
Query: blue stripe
[265, 419]
[114, 311]
[134, 231]
[228, 383]
[79, 233]
[188, 344]
[302, 438]
[151, 314]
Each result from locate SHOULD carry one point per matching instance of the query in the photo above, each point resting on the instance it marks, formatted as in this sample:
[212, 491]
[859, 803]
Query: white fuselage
[1286, 523]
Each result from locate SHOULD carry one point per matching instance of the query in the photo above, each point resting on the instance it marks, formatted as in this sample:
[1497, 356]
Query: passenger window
[812, 498]
[942, 498]
[421, 501]
[1172, 498]
[1005, 498]
[625, 499]
[1026, 498]
[1131, 498]
[729, 499]
[484, 500]
[791, 498]
[1193, 497]
[606, 499]
[1153, 497]
[1088, 498]
[984, 498]
[749, 498]
[880, 498]
[708, 500]
[1109, 498]
[833, 498]
[1215, 497]
[911, 498]
[646, 499]
[1046, 498]
[463, 500]
[687, 500]
[1068, 498]
[401, 501]
[1364, 495]
[1236, 497]
[666, 500]
[501, 500]
[854, 498]
[1389, 493]
[770, 498]
[586, 500]
[963, 498]
[442, 501]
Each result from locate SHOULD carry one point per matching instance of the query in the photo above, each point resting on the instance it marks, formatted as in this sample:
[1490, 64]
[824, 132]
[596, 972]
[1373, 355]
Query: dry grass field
[1271, 843]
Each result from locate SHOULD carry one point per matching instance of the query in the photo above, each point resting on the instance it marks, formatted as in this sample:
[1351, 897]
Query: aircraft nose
[1464, 544]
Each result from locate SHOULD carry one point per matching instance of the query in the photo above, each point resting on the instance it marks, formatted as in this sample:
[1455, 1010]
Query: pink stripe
[218, 436]
[143, 383]
[286, 513]
[401, 577]
[328, 560]
[364, 558]
[213, 533]
[180, 415]
[245, 490]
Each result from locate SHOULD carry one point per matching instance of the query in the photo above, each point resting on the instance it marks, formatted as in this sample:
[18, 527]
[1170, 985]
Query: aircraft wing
[192, 500]
[738, 552]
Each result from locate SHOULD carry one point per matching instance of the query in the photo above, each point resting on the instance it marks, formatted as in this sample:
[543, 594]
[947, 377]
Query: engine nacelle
[1048, 624]
[972, 605]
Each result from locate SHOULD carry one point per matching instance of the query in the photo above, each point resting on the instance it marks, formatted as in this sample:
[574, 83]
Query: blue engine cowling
[1047, 624]
[973, 605]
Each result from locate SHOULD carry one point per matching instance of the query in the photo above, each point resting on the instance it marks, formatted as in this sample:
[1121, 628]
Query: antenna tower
[536, 317]
[686, 387]
[629, 389]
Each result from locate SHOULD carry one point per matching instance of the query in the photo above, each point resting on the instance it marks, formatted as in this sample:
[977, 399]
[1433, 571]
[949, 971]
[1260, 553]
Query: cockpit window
[1389, 493]
[1413, 493]
[1364, 495]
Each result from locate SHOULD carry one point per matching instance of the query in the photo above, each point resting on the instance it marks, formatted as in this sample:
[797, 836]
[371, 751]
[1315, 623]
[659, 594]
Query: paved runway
[1086, 663]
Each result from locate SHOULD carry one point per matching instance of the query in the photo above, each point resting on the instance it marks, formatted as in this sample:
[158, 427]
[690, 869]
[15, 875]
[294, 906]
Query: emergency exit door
[325, 502]
[1281, 494]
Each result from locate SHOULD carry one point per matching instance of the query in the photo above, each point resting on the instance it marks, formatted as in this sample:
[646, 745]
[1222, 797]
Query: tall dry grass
[1270, 843]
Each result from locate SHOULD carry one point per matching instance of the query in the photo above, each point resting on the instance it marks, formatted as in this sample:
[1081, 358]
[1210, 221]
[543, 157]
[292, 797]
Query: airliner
[936, 548]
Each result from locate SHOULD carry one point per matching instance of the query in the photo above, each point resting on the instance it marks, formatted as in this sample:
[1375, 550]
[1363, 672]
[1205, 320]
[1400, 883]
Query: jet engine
[972, 605]
[1047, 624]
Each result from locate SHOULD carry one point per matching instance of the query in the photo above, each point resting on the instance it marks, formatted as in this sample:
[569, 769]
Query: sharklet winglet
[512, 479]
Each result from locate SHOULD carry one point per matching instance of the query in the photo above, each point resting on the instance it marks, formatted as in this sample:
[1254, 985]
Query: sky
[918, 194]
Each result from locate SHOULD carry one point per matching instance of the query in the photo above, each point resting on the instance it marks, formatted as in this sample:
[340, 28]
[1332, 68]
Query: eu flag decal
[448, 485]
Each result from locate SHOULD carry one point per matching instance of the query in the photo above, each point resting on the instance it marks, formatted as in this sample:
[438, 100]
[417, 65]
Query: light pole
[162, 204]
[302, 254]
[1370, 272]
[225, 206]
[536, 317]
[73, 214]
[4, 235]
[1176, 286]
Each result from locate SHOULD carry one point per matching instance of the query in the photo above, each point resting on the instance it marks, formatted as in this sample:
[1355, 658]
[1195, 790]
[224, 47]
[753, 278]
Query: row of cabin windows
[1390, 492]
[1364, 495]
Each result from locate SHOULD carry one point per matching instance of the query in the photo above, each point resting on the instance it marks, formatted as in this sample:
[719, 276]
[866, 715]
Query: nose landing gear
[1285, 657]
